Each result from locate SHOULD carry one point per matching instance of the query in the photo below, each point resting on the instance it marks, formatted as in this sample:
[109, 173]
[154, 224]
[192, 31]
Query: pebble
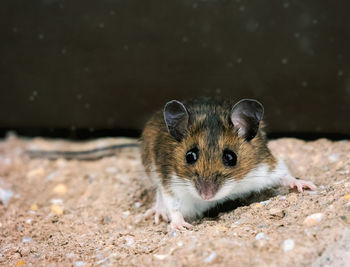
[51, 175]
[333, 157]
[111, 170]
[347, 196]
[58, 210]
[266, 202]
[79, 263]
[260, 236]
[126, 214]
[137, 205]
[288, 245]
[347, 204]
[60, 189]
[21, 263]
[210, 258]
[313, 219]
[26, 239]
[339, 182]
[5, 196]
[173, 233]
[163, 256]
[257, 205]
[28, 221]
[56, 201]
[275, 212]
[35, 173]
[34, 207]
[129, 241]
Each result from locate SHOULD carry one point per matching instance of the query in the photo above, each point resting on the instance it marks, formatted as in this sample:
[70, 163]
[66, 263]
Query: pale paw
[301, 184]
[178, 222]
[159, 214]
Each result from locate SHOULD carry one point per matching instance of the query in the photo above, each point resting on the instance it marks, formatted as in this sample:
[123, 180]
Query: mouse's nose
[207, 195]
[206, 189]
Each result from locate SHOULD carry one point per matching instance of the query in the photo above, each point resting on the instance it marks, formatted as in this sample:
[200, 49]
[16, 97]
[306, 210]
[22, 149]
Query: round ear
[246, 115]
[176, 119]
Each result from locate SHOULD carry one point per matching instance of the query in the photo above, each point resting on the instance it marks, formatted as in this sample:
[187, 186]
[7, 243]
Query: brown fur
[211, 130]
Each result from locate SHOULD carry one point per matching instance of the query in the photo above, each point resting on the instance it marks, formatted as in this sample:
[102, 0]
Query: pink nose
[207, 195]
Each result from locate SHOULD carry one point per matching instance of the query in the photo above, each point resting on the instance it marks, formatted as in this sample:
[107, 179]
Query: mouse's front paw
[159, 214]
[299, 184]
[178, 222]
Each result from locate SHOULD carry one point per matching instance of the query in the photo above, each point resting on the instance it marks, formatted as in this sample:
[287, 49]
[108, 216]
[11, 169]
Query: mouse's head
[216, 145]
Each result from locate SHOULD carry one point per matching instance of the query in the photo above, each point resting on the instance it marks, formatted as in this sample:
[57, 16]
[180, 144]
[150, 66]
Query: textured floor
[84, 213]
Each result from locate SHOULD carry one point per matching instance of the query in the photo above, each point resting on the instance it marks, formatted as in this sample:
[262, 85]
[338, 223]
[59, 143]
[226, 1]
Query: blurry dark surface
[99, 65]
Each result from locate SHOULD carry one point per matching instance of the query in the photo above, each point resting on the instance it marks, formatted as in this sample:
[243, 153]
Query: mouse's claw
[178, 222]
[159, 215]
[299, 184]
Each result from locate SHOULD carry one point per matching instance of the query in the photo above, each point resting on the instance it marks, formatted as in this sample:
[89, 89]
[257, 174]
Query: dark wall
[110, 64]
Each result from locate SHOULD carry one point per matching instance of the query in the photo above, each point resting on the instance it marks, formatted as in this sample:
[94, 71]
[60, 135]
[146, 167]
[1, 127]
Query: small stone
[56, 201]
[34, 207]
[28, 221]
[313, 219]
[58, 210]
[126, 214]
[5, 196]
[260, 236]
[257, 205]
[288, 245]
[39, 172]
[137, 205]
[26, 239]
[60, 189]
[210, 258]
[333, 157]
[163, 256]
[79, 263]
[70, 255]
[347, 196]
[111, 170]
[266, 202]
[21, 263]
[51, 175]
[129, 241]
[173, 233]
[278, 213]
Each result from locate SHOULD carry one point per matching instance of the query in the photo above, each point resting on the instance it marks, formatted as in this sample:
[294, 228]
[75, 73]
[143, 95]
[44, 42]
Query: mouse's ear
[246, 116]
[176, 118]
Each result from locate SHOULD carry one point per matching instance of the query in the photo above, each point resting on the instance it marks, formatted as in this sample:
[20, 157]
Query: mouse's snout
[207, 189]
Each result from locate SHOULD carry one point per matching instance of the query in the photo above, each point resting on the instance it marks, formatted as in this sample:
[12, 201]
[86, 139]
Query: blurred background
[83, 69]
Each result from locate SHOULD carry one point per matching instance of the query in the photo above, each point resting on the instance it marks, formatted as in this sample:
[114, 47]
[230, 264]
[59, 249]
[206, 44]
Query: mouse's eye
[192, 155]
[229, 158]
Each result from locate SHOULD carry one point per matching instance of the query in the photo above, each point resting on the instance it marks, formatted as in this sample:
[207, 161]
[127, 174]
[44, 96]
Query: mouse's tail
[90, 154]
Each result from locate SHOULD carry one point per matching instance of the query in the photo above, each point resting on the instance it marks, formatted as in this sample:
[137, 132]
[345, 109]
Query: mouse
[202, 152]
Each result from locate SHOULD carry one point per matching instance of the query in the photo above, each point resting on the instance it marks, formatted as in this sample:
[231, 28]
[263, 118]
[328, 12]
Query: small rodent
[202, 152]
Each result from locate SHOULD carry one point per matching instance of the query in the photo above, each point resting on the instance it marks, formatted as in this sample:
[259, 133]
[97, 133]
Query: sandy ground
[89, 213]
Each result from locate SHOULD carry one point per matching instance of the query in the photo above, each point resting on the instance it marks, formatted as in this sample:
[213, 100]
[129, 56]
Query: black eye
[192, 155]
[229, 158]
